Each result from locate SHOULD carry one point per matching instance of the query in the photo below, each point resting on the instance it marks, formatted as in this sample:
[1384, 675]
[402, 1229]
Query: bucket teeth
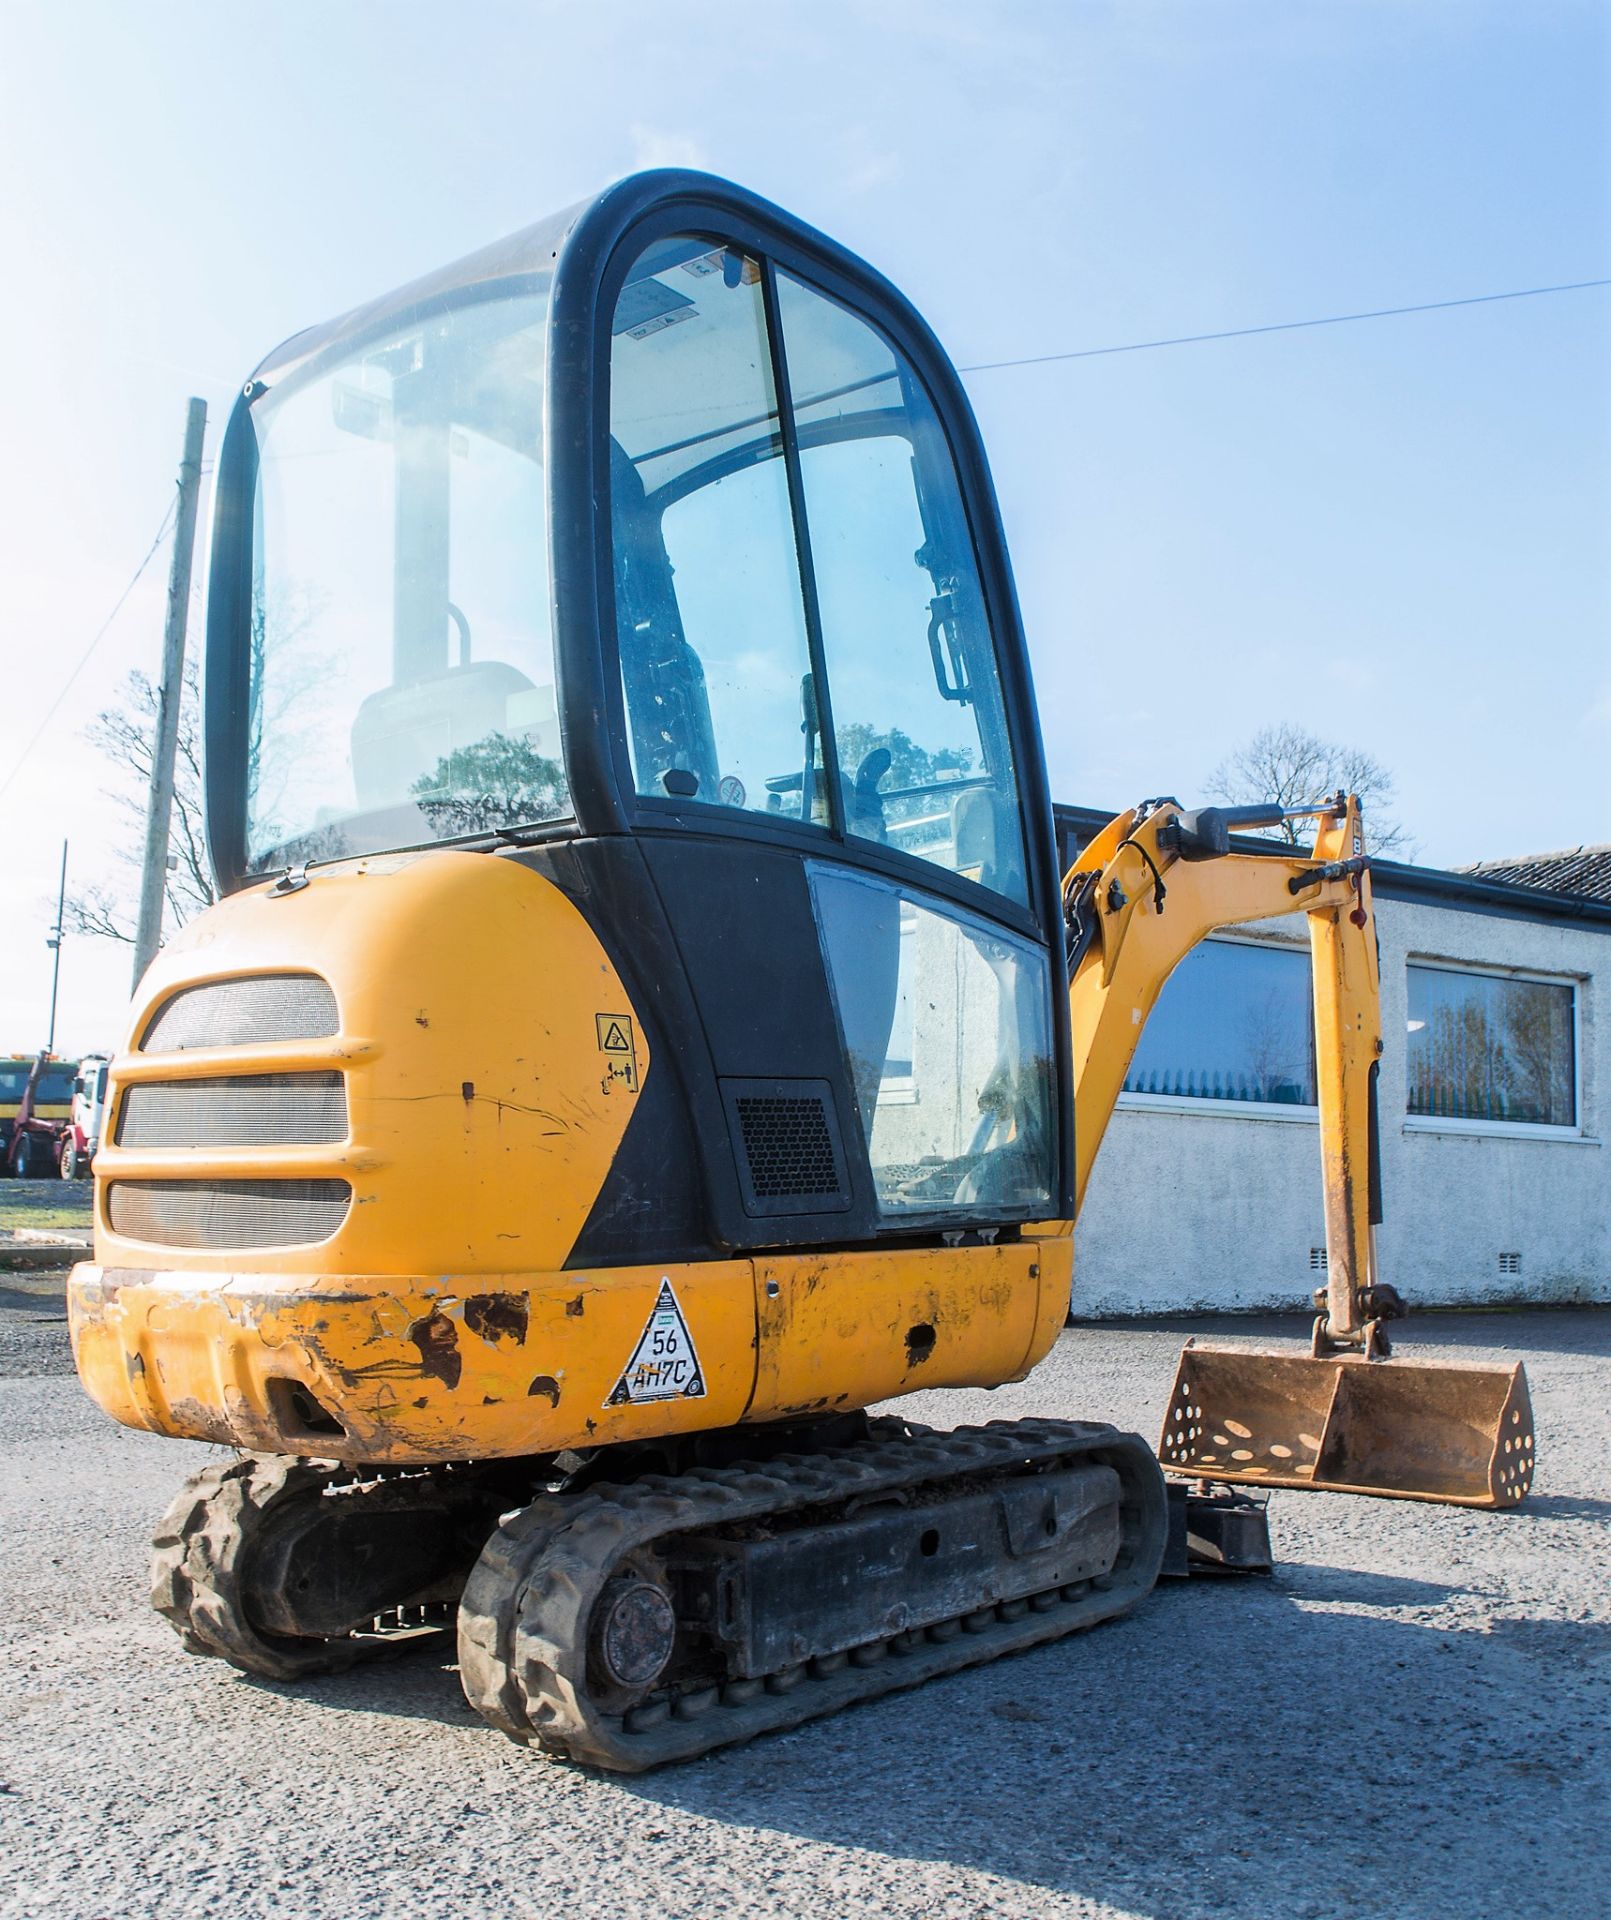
[1408, 1430]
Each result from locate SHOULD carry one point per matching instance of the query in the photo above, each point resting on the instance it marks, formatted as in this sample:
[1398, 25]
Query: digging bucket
[1455, 1434]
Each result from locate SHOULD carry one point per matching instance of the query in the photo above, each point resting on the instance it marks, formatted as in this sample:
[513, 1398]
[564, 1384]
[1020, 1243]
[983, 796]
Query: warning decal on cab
[614, 1032]
[664, 1365]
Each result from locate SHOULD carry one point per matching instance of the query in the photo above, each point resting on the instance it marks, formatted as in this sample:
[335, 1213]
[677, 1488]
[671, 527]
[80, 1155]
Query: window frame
[899, 1090]
[1279, 1112]
[1499, 1129]
[593, 267]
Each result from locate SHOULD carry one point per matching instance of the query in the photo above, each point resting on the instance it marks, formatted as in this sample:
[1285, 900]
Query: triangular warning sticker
[615, 1041]
[664, 1365]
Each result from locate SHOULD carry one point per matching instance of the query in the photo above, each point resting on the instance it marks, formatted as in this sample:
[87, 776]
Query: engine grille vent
[789, 1155]
[244, 1013]
[788, 1146]
[228, 1213]
[256, 1110]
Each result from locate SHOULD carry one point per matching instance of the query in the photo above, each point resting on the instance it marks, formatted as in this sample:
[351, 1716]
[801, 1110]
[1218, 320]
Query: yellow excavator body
[645, 1026]
[436, 1313]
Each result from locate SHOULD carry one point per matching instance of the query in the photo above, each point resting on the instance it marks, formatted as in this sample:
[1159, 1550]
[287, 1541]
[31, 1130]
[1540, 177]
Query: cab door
[822, 736]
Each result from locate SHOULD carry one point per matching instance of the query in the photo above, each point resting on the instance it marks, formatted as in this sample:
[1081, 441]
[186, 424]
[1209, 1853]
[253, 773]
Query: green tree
[909, 764]
[496, 782]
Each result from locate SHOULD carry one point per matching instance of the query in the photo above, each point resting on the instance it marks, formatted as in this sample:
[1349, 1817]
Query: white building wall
[1206, 1210]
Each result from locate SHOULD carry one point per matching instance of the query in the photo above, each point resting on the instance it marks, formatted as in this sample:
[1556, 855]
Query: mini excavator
[644, 1026]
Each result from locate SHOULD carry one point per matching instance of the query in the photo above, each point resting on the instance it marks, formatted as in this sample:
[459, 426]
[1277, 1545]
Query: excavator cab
[656, 548]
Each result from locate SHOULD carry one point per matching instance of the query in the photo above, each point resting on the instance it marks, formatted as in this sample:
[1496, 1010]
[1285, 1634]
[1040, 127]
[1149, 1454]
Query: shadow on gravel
[1222, 1752]
[1583, 1643]
[1564, 1506]
[1565, 1330]
[1503, 1330]
[421, 1684]
[1232, 1748]
[1353, 1586]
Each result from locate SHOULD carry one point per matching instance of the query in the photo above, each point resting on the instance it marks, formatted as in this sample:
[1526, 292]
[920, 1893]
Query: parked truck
[36, 1106]
[81, 1137]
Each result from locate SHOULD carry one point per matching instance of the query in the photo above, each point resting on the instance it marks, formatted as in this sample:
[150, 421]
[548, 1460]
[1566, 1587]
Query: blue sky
[1394, 532]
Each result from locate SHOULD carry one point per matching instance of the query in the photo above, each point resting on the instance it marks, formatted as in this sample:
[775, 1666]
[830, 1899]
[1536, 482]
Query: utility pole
[55, 945]
[159, 810]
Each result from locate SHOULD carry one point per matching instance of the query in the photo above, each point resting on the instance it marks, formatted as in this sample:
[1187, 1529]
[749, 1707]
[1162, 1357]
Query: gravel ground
[1409, 1719]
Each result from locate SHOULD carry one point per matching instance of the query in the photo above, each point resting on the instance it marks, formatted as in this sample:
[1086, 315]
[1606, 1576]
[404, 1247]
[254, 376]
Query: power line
[1131, 346]
[1283, 326]
[84, 658]
[980, 366]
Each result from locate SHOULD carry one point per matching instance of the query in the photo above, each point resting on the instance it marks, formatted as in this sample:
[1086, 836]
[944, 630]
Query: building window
[1235, 1023]
[1491, 1047]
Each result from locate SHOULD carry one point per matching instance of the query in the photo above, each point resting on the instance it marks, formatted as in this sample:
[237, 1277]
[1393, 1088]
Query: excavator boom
[1152, 884]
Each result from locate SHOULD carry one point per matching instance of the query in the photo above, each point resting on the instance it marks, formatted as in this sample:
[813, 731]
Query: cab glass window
[918, 714]
[402, 671]
[55, 1088]
[709, 605]
[945, 1028]
[725, 574]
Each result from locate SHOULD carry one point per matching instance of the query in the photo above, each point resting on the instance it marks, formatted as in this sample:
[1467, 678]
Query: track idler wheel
[208, 1557]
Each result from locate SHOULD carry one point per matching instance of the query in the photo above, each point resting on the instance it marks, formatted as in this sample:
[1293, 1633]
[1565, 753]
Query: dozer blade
[1456, 1434]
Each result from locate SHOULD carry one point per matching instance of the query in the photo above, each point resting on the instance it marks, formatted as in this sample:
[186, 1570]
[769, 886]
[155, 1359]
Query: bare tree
[124, 733]
[1293, 767]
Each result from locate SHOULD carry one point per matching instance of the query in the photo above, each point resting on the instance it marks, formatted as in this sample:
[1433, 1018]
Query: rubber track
[525, 1614]
[200, 1561]
[202, 1553]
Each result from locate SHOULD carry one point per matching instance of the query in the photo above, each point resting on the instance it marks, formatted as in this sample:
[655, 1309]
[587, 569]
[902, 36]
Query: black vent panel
[787, 1144]
[228, 1213]
[244, 1013]
[246, 1110]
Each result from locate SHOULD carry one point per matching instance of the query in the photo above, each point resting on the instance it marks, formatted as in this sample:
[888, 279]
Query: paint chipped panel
[481, 1123]
[437, 1339]
[436, 1372]
[919, 1344]
[850, 1329]
[498, 1316]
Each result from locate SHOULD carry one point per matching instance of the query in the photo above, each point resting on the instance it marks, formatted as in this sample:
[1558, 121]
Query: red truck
[36, 1113]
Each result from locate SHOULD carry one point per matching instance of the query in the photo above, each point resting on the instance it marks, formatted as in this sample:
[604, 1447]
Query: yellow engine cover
[483, 1111]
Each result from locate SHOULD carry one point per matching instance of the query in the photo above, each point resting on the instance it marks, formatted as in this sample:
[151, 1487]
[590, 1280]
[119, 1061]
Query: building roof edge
[1397, 880]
